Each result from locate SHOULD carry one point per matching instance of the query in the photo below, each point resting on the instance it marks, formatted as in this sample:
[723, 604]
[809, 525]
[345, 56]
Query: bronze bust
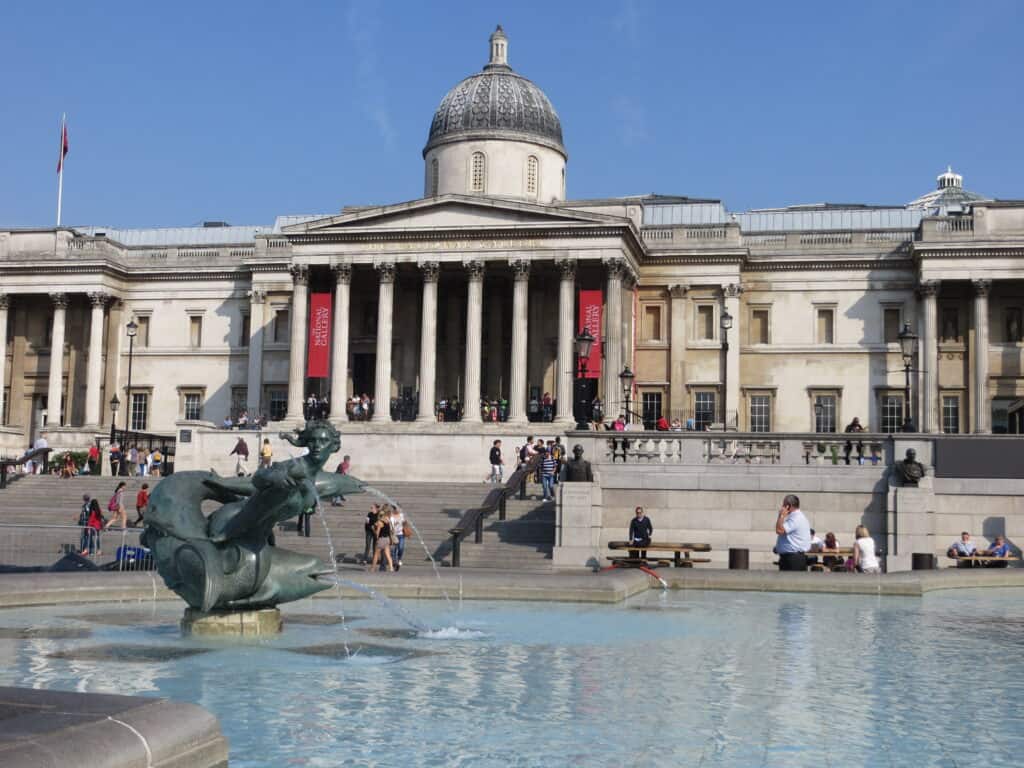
[577, 469]
[909, 470]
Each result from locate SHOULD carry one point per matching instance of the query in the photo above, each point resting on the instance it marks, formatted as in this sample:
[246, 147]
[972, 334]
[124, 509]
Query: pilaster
[297, 356]
[979, 397]
[677, 351]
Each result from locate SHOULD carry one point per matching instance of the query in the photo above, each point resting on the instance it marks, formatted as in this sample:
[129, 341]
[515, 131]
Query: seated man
[999, 549]
[963, 547]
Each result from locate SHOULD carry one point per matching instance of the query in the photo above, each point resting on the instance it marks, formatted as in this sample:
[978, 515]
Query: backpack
[522, 453]
[112, 504]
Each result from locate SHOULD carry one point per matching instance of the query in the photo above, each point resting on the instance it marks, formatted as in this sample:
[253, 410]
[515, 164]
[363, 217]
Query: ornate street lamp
[114, 405]
[584, 343]
[908, 348]
[726, 323]
[627, 377]
[133, 329]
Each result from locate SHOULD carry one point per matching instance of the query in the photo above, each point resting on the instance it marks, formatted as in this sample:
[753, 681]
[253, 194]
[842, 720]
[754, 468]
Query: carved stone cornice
[300, 274]
[431, 270]
[678, 291]
[60, 300]
[928, 288]
[981, 287]
[567, 268]
[520, 269]
[732, 290]
[99, 298]
[475, 269]
[342, 273]
[385, 271]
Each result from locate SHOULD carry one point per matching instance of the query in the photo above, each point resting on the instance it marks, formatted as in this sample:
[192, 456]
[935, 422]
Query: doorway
[364, 373]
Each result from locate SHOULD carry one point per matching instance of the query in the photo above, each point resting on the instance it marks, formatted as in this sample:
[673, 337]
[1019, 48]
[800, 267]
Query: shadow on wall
[996, 526]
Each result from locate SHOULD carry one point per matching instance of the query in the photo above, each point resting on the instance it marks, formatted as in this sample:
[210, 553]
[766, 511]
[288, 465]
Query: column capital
[616, 268]
[257, 296]
[475, 268]
[385, 271]
[431, 271]
[567, 268]
[300, 274]
[981, 287]
[99, 299]
[928, 288]
[60, 300]
[5, 300]
[520, 269]
[678, 290]
[342, 273]
[732, 290]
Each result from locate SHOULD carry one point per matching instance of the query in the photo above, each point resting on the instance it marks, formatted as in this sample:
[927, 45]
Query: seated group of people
[964, 547]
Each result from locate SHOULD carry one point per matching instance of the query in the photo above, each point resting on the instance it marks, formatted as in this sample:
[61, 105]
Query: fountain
[227, 566]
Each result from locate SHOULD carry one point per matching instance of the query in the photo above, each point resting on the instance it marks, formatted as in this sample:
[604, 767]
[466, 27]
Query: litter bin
[739, 559]
[922, 561]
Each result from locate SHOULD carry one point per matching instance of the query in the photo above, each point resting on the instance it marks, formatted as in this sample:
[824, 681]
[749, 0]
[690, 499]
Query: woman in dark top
[382, 529]
[640, 530]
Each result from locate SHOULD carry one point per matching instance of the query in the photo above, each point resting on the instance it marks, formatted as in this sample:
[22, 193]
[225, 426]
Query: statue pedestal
[228, 623]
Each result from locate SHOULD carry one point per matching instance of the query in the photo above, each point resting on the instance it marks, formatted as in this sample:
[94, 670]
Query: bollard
[739, 559]
[522, 488]
[922, 561]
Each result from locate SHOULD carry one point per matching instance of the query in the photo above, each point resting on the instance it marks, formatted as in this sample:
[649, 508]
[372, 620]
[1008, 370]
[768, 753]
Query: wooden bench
[982, 561]
[680, 554]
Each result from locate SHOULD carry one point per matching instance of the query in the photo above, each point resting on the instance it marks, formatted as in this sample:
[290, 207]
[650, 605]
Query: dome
[949, 196]
[496, 103]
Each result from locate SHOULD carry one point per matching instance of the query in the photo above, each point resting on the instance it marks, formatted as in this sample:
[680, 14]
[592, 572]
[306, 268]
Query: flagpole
[60, 174]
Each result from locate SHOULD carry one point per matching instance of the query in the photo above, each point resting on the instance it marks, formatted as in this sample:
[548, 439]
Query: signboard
[318, 362]
[591, 305]
[185, 436]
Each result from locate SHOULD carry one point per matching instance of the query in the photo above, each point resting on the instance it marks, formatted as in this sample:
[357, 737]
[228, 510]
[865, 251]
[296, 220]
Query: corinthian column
[613, 403]
[297, 357]
[254, 382]
[4, 302]
[474, 333]
[428, 341]
[982, 411]
[677, 353]
[55, 389]
[385, 310]
[566, 338]
[94, 372]
[930, 352]
[339, 347]
[520, 333]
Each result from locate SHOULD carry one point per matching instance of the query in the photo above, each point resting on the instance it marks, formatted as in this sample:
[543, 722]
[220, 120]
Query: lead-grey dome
[496, 103]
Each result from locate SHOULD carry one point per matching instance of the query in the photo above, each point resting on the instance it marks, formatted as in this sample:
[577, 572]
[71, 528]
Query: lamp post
[726, 323]
[908, 348]
[584, 343]
[627, 377]
[114, 405]
[133, 329]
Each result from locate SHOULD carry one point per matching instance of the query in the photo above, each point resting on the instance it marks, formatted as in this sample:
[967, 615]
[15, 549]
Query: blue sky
[183, 112]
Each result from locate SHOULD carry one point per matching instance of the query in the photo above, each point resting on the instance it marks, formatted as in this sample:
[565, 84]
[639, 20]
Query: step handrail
[473, 519]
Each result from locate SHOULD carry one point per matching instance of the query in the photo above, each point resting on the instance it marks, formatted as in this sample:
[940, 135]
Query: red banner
[318, 361]
[590, 318]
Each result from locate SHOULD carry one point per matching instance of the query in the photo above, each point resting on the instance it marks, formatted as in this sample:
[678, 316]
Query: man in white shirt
[794, 535]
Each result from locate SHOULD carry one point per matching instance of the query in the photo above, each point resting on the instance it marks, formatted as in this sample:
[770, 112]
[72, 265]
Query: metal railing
[24, 546]
[473, 519]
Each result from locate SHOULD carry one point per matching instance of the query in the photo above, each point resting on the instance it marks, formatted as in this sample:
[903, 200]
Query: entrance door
[364, 374]
[582, 409]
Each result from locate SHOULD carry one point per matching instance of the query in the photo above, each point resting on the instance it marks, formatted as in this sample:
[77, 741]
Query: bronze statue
[228, 560]
[577, 470]
[909, 470]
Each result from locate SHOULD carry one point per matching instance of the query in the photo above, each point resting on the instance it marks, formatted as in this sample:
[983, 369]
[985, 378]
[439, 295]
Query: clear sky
[239, 111]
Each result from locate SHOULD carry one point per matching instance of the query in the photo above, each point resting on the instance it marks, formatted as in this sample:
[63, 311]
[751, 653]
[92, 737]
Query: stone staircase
[524, 541]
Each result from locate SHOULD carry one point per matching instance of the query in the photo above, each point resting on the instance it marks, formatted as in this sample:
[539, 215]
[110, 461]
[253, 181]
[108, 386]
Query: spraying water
[387, 602]
[384, 497]
[334, 565]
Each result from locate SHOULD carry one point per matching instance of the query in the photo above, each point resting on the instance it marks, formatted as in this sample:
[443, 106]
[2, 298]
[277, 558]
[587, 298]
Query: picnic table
[680, 554]
[840, 553]
[973, 561]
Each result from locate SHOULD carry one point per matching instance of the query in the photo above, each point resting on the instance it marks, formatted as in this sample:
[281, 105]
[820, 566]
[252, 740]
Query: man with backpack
[497, 463]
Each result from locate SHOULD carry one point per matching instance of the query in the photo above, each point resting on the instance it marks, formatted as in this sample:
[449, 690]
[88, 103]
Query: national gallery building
[776, 320]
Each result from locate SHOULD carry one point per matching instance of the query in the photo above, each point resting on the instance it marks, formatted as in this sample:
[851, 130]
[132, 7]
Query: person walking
[497, 463]
[157, 463]
[241, 451]
[83, 523]
[116, 506]
[396, 519]
[141, 503]
[370, 529]
[115, 459]
[548, 467]
[383, 536]
[266, 453]
[94, 459]
[343, 469]
[133, 461]
[94, 524]
[794, 535]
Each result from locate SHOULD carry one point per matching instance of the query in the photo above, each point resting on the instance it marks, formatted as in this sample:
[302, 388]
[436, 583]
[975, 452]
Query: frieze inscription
[452, 245]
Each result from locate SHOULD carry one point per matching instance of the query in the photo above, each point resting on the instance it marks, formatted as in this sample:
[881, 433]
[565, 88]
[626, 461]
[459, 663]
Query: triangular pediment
[451, 212]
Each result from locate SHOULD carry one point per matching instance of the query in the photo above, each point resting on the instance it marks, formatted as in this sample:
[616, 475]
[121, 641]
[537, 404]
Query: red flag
[590, 318]
[63, 146]
[319, 351]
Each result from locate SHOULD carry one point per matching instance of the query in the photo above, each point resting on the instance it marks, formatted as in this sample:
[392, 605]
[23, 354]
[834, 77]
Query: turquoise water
[677, 678]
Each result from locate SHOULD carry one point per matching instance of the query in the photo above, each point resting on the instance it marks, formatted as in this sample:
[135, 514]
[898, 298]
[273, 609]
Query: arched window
[434, 179]
[531, 176]
[478, 173]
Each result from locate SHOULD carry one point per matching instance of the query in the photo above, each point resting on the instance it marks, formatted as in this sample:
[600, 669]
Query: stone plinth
[578, 534]
[266, 621]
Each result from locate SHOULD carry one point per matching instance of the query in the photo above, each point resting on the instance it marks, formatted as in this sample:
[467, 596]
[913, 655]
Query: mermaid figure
[228, 560]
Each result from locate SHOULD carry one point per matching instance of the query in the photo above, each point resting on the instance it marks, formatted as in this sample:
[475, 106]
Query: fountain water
[334, 566]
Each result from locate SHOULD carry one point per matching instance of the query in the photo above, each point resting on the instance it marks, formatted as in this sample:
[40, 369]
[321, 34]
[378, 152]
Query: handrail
[30, 455]
[473, 519]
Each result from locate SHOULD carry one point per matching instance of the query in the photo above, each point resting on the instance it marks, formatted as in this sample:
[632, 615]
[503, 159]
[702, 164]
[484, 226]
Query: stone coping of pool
[55, 729]
[581, 587]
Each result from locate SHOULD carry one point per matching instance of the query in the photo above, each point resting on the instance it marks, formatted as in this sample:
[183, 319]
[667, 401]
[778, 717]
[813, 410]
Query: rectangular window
[951, 414]
[826, 323]
[651, 410]
[278, 398]
[651, 330]
[703, 410]
[891, 325]
[759, 326]
[238, 398]
[1013, 325]
[195, 331]
[824, 413]
[140, 411]
[760, 413]
[243, 336]
[281, 326]
[142, 334]
[705, 322]
[950, 324]
[892, 412]
[193, 406]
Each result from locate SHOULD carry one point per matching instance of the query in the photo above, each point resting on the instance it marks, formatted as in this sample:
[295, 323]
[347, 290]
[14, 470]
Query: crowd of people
[93, 521]
[386, 530]
[245, 421]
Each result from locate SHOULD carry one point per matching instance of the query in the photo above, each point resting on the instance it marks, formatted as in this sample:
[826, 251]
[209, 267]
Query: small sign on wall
[185, 436]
